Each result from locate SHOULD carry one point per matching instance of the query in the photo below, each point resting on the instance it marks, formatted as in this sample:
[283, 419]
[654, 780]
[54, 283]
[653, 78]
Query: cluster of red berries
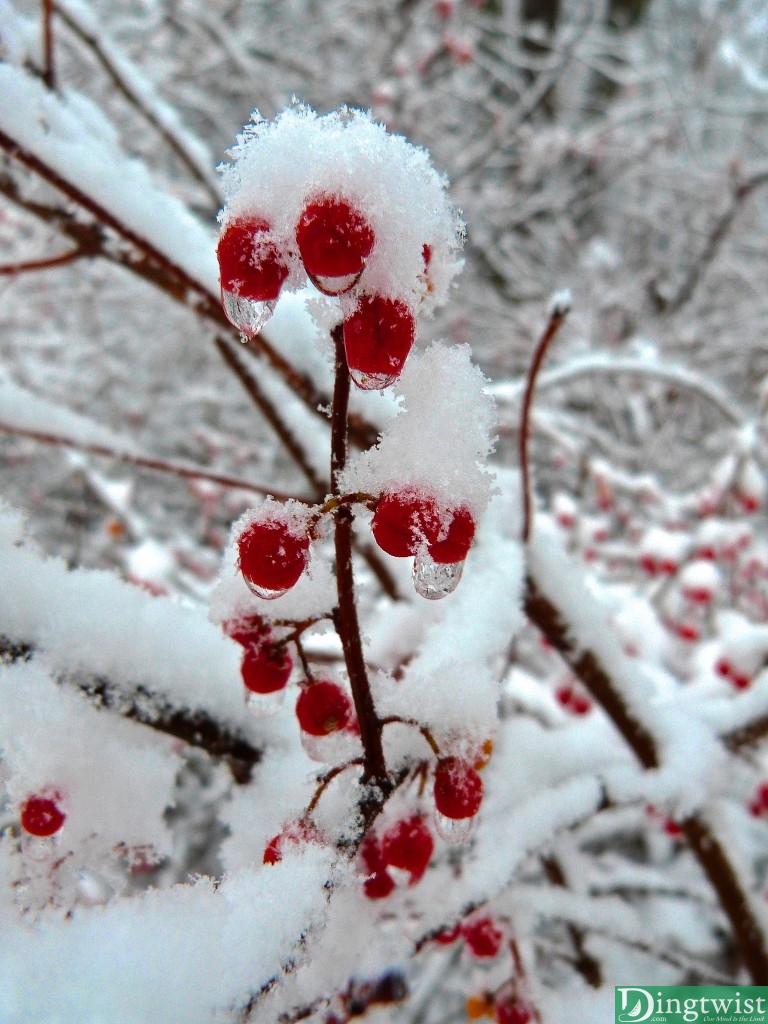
[406, 846]
[266, 665]
[738, 679]
[573, 699]
[333, 239]
[274, 548]
[407, 521]
[482, 935]
[42, 816]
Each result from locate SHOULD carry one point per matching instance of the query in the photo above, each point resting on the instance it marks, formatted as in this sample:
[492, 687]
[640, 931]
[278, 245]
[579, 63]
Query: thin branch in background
[27, 266]
[49, 74]
[146, 462]
[560, 308]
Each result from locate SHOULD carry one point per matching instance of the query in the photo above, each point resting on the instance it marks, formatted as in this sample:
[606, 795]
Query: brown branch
[556, 317]
[704, 844]
[10, 269]
[584, 962]
[144, 462]
[345, 617]
[748, 735]
[154, 266]
[124, 86]
[49, 74]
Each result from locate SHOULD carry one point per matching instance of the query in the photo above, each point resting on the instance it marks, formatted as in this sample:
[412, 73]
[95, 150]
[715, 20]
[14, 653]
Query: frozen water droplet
[38, 848]
[248, 315]
[371, 381]
[454, 830]
[263, 592]
[335, 285]
[264, 705]
[434, 580]
[336, 746]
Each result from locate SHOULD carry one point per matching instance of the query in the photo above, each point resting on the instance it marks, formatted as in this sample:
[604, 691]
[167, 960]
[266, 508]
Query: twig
[26, 266]
[49, 75]
[557, 315]
[145, 462]
[345, 617]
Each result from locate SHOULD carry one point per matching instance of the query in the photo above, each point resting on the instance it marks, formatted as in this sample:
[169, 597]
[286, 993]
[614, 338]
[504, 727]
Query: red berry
[482, 937]
[272, 556]
[455, 540]
[378, 336]
[458, 788]
[371, 854]
[323, 708]
[512, 1011]
[649, 564]
[246, 630]
[724, 668]
[41, 816]
[409, 846]
[379, 885]
[334, 238]
[295, 833]
[581, 704]
[687, 631]
[266, 668]
[403, 521]
[250, 264]
[564, 695]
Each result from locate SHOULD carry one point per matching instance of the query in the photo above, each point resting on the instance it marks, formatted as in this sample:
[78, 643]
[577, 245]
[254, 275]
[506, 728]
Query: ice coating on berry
[250, 263]
[42, 816]
[266, 668]
[333, 237]
[378, 335]
[458, 788]
[323, 708]
[351, 159]
[273, 550]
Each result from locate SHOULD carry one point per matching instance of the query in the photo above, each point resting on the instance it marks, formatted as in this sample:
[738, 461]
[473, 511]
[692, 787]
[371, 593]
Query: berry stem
[557, 315]
[345, 616]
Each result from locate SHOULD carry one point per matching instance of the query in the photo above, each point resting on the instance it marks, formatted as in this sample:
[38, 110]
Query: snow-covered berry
[334, 240]
[458, 788]
[250, 263]
[272, 555]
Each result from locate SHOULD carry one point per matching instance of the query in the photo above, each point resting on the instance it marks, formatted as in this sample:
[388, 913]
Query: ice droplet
[454, 830]
[434, 580]
[262, 592]
[38, 848]
[371, 381]
[335, 285]
[248, 315]
[264, 705]
[335, 747]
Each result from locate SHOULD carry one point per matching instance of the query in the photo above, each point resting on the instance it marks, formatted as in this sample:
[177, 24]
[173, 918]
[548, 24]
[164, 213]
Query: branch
[704, 844]
[345, 618]
[145, 462]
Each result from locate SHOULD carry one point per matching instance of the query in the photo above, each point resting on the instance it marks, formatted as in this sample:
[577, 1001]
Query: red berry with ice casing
[41, 816]
[403, 521]
[408, 845]
[454, 539]
[323, 708]
[250, 263]
[295, 833]
[378, 335]
[458, 788]
[266, 668]
[482, 937]
[272, 555]
[334, 240]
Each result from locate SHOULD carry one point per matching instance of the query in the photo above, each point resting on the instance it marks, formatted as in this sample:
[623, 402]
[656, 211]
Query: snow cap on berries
[281, 167]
